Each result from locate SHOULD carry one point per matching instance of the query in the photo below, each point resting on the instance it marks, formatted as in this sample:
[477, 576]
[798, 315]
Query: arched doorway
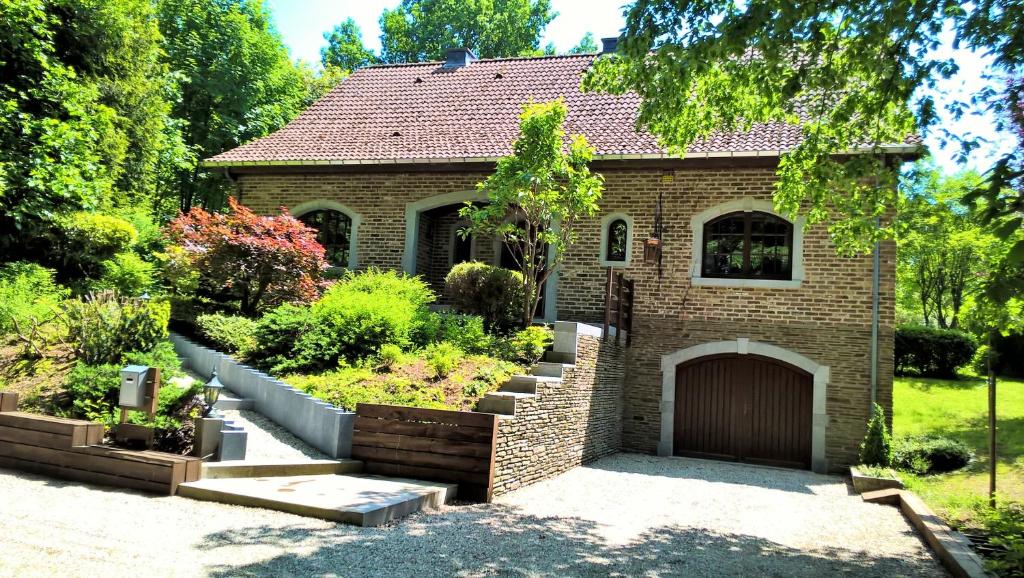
[745, 408]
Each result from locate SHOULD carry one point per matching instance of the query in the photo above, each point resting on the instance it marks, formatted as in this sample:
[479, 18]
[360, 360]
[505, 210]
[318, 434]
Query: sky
[302, 24]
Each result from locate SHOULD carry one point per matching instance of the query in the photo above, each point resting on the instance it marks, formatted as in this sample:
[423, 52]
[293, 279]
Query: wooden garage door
[744, 407]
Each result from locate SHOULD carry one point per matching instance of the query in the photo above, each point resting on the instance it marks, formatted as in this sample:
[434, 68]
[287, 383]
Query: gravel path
[268, 441]
[627, 515]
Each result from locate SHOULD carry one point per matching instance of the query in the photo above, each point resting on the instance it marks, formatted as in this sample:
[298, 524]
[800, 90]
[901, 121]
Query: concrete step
[351, 499]
[550, 369]
[560, 357]
[501, 402]
[527, 383]
[254, 469]
[228, 401]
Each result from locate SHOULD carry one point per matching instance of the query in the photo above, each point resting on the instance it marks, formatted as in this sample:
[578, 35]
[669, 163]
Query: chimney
[457, 58]
[609, 45]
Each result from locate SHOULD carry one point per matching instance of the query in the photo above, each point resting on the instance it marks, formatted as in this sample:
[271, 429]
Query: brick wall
[827, 318]
[567, 424]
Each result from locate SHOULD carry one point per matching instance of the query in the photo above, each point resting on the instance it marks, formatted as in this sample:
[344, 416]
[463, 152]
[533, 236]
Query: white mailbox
[133, 386]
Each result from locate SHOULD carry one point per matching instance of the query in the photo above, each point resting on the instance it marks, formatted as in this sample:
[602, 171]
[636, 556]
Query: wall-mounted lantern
[653, 245]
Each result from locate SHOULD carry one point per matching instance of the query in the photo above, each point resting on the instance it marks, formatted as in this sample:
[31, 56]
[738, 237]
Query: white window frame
[356, 218]
[606, 222]
[746, 205]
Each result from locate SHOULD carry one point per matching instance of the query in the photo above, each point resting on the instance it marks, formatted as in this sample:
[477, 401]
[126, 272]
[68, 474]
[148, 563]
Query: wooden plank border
[429, 444]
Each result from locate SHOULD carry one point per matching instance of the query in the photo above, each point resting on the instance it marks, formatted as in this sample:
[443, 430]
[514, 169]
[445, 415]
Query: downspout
[234, 183]
[875, 298]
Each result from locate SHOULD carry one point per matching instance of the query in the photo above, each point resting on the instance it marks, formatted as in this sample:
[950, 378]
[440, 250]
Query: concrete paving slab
[361, 500]
[279, 468]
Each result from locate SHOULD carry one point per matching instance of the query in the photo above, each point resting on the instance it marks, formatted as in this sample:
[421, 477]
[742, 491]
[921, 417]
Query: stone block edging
[952, 547]
[320, 424]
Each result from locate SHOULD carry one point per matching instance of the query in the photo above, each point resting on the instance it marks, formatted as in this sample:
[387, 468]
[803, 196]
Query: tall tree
[237, 82]
[345, 49]
[850, 72]
[85, 120]
[422, 30]
[587, 45]
[944, 253]
[536, 197]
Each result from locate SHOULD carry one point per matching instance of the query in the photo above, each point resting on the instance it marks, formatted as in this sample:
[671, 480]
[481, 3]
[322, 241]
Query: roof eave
[209, 164]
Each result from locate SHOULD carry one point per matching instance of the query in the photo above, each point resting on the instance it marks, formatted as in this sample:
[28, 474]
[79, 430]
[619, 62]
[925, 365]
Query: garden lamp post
[211, 392]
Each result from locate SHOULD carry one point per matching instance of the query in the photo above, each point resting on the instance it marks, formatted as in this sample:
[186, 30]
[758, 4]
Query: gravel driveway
[627, 515]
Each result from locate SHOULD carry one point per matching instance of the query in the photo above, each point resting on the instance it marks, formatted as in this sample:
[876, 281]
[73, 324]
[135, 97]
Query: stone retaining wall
[567, 424]
[321, 425]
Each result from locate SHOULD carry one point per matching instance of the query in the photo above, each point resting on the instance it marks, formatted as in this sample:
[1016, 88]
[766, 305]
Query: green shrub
[489, 377]
[276, 335]
[1005, 528]
[232, 334]
[103, 327]
[931, 454]
[126, 273]
[527, 346]
[390, 356]
[359, 315]
[348, 386]
[876, 449]
[931, 352]
[494, 293]
[464, 331]
[27, 292]
[1009, 356]
[94, 389]
[442, 358]
[87, 239]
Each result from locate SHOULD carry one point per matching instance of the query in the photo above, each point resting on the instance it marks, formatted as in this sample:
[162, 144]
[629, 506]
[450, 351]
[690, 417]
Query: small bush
[390, 356]
[28, 294]
[931, 352]
[126, 273]
[277, 333]
[359, 315]
[443, 358]
[232, 334]
[87, 239]
[94, 388]
[527, 346]
[103, 327]
[1005, 528]
[931, 454]
[494, 293]
[876, 450]
[464, 331]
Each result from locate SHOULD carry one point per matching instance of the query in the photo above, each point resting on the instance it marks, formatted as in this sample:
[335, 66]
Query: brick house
[752, 339]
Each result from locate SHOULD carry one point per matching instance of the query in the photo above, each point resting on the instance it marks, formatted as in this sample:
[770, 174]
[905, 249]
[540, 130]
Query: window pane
[333, 230]
[723, 247]
[618, 243]
[763, 237]
[769, 246]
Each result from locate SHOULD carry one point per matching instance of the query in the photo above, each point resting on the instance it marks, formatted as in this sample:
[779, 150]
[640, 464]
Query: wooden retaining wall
[428, 444]
[70, 449]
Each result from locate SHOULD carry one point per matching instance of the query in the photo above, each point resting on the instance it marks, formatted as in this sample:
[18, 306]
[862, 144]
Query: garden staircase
[562, 357]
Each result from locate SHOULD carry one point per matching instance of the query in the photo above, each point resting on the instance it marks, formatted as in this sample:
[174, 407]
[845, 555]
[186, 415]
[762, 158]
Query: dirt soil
[38, 382]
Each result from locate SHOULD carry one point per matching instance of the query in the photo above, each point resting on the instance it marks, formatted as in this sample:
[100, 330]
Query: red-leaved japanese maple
[263, 261]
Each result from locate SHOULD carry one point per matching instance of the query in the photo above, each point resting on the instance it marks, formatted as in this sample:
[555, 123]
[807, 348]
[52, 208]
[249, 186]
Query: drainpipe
[875, 283]
[234, 183]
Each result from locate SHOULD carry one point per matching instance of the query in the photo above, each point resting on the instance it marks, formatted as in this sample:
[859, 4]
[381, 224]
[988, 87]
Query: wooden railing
[618, 306]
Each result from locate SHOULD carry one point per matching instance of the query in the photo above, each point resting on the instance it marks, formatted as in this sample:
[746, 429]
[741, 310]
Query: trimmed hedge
[931, 352]
[930, 454]
[491, 292]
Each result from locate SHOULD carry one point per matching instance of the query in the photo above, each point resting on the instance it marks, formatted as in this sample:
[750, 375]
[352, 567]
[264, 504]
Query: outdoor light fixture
[652, 246]
[211, 393]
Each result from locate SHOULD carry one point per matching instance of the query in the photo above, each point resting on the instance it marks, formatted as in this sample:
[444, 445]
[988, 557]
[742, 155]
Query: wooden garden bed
[70, 449]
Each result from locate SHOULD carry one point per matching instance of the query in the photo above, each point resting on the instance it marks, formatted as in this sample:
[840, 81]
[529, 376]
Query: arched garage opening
[746, 401]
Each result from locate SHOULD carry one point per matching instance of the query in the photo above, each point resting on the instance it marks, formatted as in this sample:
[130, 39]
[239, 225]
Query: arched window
[618, 241]
[748, 245]
[334, 231]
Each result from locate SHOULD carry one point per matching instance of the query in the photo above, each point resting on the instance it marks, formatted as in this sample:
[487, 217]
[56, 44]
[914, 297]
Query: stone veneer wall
[567, 424]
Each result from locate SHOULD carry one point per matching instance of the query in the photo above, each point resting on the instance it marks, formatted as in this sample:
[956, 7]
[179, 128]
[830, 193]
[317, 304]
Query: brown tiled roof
[422, 112]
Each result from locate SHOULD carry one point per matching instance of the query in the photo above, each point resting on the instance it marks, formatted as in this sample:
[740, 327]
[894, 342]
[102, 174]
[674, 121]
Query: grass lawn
[959, 409]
